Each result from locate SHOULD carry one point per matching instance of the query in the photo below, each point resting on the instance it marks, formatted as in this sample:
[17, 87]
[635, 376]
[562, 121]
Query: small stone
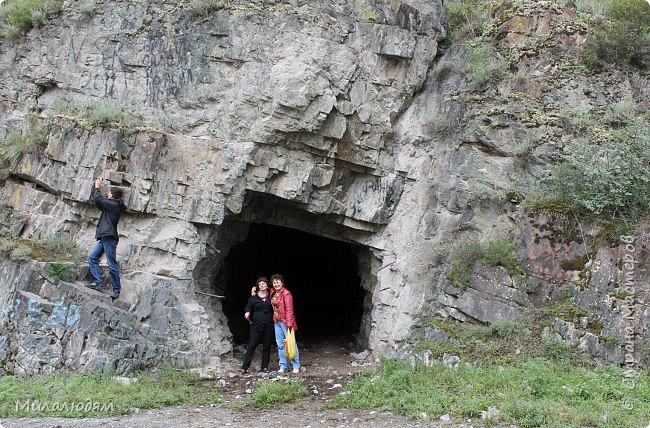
[491, 413]
[126, 381]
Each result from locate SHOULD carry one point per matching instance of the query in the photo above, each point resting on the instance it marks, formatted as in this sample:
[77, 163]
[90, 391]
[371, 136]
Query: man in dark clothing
[111, 207]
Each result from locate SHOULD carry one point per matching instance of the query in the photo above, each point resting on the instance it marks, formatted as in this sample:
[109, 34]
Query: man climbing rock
[107, 237]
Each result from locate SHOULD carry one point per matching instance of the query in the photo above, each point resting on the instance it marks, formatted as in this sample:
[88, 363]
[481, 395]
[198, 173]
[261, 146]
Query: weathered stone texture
[340, 113]
[290, 100]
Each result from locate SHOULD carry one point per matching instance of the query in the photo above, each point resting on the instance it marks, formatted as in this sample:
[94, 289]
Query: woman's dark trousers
[265, 336]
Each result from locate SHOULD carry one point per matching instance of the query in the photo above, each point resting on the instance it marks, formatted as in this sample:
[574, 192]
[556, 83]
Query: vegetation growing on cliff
[18, 143]
[603, 173]
[91, 115]
[20, 16]
[466, 253]
[621, 36]
[598, 171]
[51, 248]
[204, 7]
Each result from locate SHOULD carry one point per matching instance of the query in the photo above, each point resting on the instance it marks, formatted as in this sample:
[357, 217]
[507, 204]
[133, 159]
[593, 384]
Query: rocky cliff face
[339, 119]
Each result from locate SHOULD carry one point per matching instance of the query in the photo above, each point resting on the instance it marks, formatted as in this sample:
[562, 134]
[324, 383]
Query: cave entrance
[321, 273]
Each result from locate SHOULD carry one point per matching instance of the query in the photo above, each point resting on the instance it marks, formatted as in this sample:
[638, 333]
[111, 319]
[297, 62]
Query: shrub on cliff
[20, 16]
[623, 37]
[468, 19]
[606, 175]
[16, 144]
[205, 7]
[466, 252]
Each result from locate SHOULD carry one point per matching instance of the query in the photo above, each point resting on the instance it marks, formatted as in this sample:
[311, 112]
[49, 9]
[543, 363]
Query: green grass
[49, 249]
[466, 253]
[270, 392]
[484, 65]
[20, 16]
[106, 113]
[502, 343]
[532, 380]
[533, 392]
[63, 394]
[205, 7]
[99, 114]
[60, 270]
[17, 144]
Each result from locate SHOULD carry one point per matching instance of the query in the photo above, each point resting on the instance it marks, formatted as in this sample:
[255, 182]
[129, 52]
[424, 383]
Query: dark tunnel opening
[322, 274]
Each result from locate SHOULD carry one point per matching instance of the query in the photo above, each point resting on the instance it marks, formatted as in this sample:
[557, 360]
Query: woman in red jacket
[283, 319]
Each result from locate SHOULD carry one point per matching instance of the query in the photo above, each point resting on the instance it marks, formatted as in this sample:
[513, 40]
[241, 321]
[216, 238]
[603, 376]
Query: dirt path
[328, 367]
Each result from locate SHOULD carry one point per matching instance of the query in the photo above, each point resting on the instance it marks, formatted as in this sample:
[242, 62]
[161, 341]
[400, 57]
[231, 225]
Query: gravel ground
[303, 414]
[327, 369]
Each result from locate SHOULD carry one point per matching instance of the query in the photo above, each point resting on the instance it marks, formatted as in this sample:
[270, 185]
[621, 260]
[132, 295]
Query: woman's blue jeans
[280, 335]
[106, 245]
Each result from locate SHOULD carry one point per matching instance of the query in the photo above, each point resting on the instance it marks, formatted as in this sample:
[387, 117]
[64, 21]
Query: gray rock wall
[338, 110]
[295, 100]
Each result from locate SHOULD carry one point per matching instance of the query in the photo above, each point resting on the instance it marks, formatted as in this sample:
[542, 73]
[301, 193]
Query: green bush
[58, 244]
[369, 14]
[23, 15]
[11, 151]
[467, 18]
[623, 37]
[607, 175]
[501, 253]
[88, 10]
[60, 270]
[463, 257]
[69, 108]
[596, 8]
[92, 114]
[620, 114]
[577, 118]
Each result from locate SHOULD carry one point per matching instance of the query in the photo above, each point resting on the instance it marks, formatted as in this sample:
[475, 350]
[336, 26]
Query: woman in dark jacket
[259, 313]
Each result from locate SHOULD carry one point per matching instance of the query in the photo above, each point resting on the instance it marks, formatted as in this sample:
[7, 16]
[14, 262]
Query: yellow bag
[290, 344]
